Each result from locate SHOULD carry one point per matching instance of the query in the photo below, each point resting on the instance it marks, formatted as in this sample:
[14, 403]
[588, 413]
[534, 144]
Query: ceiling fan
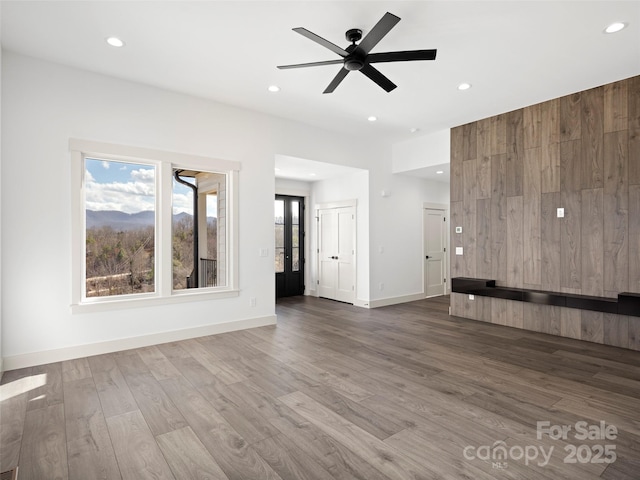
[357, 56]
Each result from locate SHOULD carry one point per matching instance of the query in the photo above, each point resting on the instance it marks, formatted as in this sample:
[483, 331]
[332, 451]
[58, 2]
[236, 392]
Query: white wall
[396, 234]
[422, 151]
[45, 104]
[354, 186]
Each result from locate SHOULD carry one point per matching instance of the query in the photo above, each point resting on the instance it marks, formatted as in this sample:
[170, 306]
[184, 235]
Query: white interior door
[336, 253]
[434, 251]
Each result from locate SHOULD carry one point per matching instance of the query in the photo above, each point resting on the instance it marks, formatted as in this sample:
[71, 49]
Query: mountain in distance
[122, 221]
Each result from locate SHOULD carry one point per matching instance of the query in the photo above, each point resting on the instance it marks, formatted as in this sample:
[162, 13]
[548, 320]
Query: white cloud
[105, 165]
[135, 195]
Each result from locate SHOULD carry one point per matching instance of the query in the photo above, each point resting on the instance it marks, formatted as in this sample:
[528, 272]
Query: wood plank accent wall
[509, 174]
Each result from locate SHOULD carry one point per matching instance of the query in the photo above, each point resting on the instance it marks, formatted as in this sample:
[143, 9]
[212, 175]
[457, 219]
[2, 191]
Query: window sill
[107, 304]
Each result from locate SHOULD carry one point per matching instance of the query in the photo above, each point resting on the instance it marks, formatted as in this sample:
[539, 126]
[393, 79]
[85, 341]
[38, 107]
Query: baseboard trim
[79, 351]
[384, 302]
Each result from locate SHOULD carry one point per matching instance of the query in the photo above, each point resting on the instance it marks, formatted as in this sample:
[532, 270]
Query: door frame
[293, 192]
[444, 207]
[326, 206]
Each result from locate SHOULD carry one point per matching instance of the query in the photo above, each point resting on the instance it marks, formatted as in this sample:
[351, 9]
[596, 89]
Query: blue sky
[128, 187]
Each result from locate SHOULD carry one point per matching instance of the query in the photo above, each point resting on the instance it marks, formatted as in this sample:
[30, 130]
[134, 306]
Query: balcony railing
[208, 274]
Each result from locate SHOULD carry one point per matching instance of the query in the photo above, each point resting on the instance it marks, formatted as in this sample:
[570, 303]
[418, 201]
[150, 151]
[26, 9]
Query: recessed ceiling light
[464, 86]
[615, 27]
[439, 172]
[115, 42]
[414, 130]
[312, 174]
[274, 88]
[372, 118]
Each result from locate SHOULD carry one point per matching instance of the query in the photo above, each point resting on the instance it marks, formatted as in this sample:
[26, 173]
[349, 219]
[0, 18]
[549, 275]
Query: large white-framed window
[151, 226]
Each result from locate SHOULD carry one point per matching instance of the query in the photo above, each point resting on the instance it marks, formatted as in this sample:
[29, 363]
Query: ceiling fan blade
[336, 80]
[402, 56]
[325, 43]
[386, 23]
[312, 64]
[378, 77]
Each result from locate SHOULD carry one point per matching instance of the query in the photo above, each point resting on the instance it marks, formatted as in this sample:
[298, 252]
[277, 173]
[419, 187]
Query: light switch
[560, 213]
[458, 250]
[263, 252]
[458, 229]
[472, 297]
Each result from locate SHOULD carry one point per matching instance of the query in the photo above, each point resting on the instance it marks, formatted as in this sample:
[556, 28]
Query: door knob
[427, 257]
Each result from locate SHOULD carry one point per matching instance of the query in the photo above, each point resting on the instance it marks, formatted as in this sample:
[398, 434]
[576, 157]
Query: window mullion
[164, 210]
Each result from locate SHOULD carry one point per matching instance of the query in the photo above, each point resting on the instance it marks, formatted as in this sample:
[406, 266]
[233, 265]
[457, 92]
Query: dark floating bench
[626, 304]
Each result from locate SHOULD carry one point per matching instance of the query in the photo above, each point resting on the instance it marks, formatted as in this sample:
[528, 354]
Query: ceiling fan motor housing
[355, 60]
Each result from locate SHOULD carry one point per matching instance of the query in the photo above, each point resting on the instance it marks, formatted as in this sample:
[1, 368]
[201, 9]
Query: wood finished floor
[332, 392]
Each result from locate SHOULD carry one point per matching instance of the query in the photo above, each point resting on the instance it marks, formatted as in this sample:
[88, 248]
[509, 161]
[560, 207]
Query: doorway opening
[289, 245]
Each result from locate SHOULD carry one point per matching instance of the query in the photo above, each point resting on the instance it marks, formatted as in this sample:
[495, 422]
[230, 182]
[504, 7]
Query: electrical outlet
[252, 302]
[458, 229]
[381, 286]
[560, 212]
[472, 297]
[459, 250]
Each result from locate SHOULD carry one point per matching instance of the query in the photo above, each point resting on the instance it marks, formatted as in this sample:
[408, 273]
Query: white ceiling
[514, 53]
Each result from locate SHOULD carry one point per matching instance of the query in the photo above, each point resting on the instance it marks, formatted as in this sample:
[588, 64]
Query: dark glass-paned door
[289, 245]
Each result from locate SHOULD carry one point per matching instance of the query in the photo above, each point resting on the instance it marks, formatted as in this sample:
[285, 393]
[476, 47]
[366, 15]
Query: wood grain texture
[571, 241]
[616, 213]
[634, 333]
[580, 152]
[114, 393]
[498, 135]
[615, 330]
[550, 241]
[531, 218]
[634, 238]
[592, 326]
[138, 454]
[44, 447]
[469, 141]
[634, 130]
[515, 314]
[469, 233]
[14, 387]
[187, 457]
[289, 461]
[550, 146]
[90, 452]
[570, 161]
[571, 323]
[592, 240]
[158, 410]
[592, 131]
[570, 117]
[76, 369]
[50, 393]
[457, 157]
[532, 125]
[616, 103]
[483, 160]
[436, 384]
[389, 460]
[484, 253]
[515, 247]
[515, 153]
[499, 218]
